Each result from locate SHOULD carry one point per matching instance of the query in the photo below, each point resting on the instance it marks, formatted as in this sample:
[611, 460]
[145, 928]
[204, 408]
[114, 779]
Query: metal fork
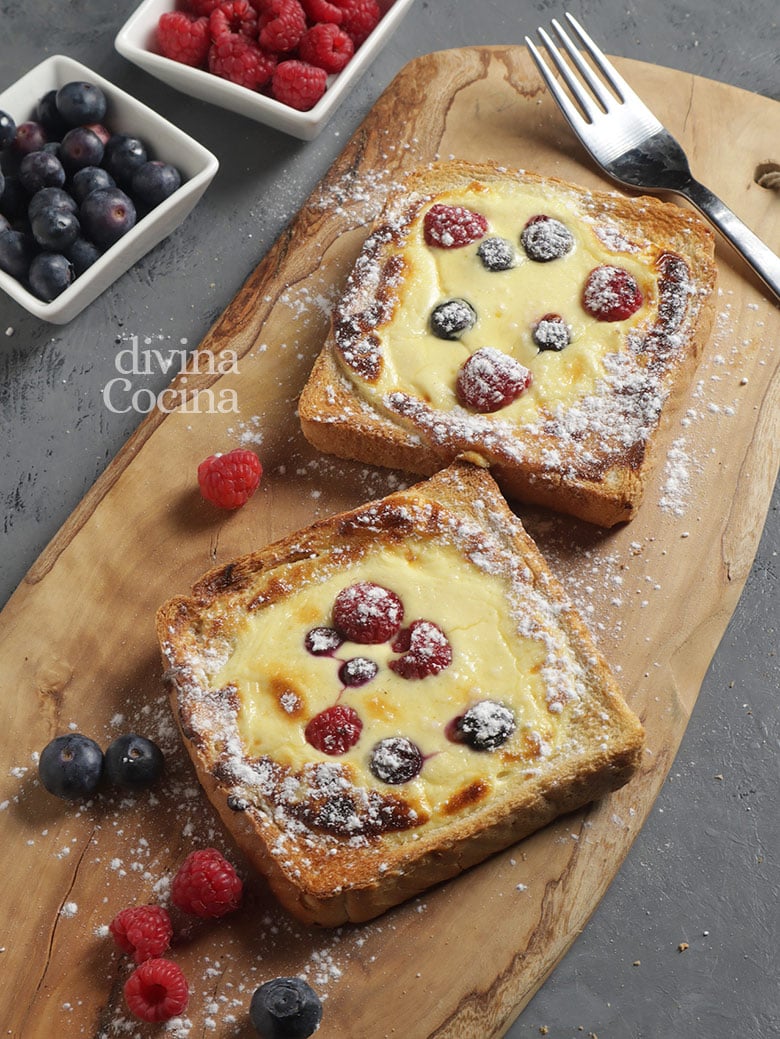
[631, 145]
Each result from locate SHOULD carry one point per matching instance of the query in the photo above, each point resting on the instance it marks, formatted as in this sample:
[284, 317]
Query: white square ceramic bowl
[135, 42]
[164, 141]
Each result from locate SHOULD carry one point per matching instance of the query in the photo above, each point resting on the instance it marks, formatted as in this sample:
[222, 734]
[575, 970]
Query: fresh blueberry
[4, 223]
[449, 320]
[82, 254]
[81, 147]
[285, 1008]
[51, 197]
[50, 274]
[89, 178]
[7, 129]
[154, 182]
[106, 215]
[79, 103]
[133, 762]
[30, 137]
[2, 183]
[123, 156]
[54, 227]
[47, 114]
[71, 766]
[41, 170]
[13, 202]
[16, 253]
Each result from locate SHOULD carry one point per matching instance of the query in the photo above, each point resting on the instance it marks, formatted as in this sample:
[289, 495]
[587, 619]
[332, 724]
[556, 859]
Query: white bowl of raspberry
[285, 63]
[93, 180]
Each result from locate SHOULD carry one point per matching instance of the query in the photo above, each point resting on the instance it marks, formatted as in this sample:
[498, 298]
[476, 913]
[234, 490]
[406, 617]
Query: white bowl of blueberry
[90, 180]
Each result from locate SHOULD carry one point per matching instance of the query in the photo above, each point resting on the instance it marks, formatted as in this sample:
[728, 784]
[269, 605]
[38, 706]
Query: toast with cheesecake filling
[549, 328]
[378, 702]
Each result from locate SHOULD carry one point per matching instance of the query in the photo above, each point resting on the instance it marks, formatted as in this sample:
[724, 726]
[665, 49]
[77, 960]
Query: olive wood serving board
[78, 649]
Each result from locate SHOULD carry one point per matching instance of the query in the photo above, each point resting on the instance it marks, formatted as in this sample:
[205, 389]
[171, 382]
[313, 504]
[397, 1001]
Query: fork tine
[597, 87]
[569, 110]
[604, 65]
[575, 88]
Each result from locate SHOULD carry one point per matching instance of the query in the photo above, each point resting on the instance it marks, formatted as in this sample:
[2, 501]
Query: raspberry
[183, 38]
[233, 16]
[236, 58]
[367, 613]
[326, 46]
[298, 84]
[334, 730]
[206, 885]
[202, 7]
[322, 11]
[426, 650]
[144, 931]
[611, 294]
[360, 18]
[230, 480]
[489, 380]
[450, 227]
[157, 990]
[282, 24]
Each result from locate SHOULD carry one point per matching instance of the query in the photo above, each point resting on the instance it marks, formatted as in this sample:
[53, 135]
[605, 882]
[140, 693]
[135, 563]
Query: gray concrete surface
[704, 870]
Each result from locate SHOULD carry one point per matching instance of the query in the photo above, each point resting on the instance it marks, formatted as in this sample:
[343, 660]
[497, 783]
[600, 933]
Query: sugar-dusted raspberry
[230, 480]
[233, 16]
[144, 931]
[334, 730]
[395, 760]
[322, 11]
[360, 17]
[544, 238]
[327, 46]
[426, 650]
[281, 25]
[451, 227]
[611, 294]
[367, 613]
[157, 990]
[298, 84]
[206, 885]
[489, 380]
[184, 38]
[551, 332]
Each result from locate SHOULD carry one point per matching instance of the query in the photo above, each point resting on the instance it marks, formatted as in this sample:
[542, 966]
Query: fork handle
[764, 262]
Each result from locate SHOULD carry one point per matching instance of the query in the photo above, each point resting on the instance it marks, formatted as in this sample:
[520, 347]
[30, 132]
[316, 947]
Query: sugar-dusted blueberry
[16, 253]
[425, 650]
[41, 170]
[49, 275]
[322, 641]
[544, 238]
[395, 760]
[285, 1008]
[79, 102]
[30, 136]
[71, 766]
[47, 114]
[155, 181]
[489, 380]
[496, 254]
[7, 130]
[357, 671]
[123, 156]
[82, 254]
[334, 730]
[486, 725]
[453, 317]
[551, 332]
[80, 147]
[367, 613]
[54, 227]
[133, 762]
[90, 178]
[106, 215]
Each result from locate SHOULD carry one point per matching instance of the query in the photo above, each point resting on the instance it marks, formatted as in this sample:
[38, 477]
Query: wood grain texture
[78, 647]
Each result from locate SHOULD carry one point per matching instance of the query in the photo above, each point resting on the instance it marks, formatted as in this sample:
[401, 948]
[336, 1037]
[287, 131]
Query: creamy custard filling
[521, 659]
[508, 304]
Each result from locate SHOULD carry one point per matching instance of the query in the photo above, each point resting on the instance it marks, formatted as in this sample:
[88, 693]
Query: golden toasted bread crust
[328, 867]
[589, 458]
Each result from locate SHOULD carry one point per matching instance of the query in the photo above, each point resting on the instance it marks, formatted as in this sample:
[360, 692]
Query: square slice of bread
[386, 698]
[581, 333]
